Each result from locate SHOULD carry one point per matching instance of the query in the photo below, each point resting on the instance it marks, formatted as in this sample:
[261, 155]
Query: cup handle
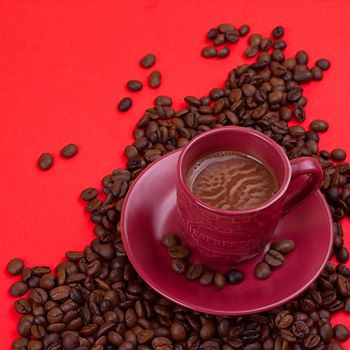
[302, 166]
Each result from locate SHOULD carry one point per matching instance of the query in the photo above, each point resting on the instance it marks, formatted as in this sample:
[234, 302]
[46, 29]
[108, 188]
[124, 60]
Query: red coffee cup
[223, 236]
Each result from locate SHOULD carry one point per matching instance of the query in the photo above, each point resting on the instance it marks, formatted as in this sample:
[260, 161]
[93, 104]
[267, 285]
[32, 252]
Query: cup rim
[228, 129]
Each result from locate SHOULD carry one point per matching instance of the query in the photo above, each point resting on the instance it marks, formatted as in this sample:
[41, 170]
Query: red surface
[63, 68]
[145, 219]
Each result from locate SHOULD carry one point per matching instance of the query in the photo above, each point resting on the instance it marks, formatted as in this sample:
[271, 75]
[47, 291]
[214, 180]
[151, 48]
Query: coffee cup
[225, 236]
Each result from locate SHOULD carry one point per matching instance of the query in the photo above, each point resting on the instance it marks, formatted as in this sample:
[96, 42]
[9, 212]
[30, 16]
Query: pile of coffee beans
[223, 34]
[273, 258]
[46, 160]
[180, 264]
[95, 300]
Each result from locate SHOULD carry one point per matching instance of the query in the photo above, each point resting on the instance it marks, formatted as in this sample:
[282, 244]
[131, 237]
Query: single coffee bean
[179, 266]
[262, 270]
[277, 32]
[219, 280]
[343, 284]
[243, 30]
[23, 306]
[319, 125]
[279, 44]
[15, 266]
[255, 39]
[274, 258]
[148, 61]
[89, 194]
[170, 240]
[224, 52]
[283, 319]
[207, 278]
[69, 151]
[226, 28]
[317, 73]
[178, 331]
[232, 37]
[341, 332]
[284, 246]
[131, 151]
[251, 51]
[45, 161]
[343, 270]
[266, 44]
[18, 289]
[209, 52]
[302, 57]
[212, 33]
[125, 104]
[234, 276]
[134, 85]
[178, 251]
[194, 271]
[220, 39]
[323, 63]
[338, 155]
[154, 79]
[342, 255]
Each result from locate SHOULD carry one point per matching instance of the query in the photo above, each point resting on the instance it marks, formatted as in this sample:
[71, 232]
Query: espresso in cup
[232, 180]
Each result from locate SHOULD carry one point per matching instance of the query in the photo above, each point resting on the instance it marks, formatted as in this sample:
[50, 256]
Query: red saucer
[150, 211]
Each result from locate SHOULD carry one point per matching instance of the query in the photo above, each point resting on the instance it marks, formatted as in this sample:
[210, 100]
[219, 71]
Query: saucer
[150, 211]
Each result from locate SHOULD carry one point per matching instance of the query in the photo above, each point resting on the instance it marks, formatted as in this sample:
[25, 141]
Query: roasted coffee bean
[326, 332]
[323, 63]
[154, 79]
[232, 37]
[317, 73]
[209, 52]
[179, 266]
[338, 155]
[243, 30]
[124, 104]
[178, 251]
[45, 161]
[251, 51]
[18, 289]
[284, 246]
[255, 39]
[220, 39]
[207, 278]
[342, 255]
[283, 319]
[23, 306]
[234, 276]
[278, 32]
[219, 280]
[262, 270]
[319, 125]
[224, 52]
[15, 266]
[279, 44]
[148, 61]
[226, 28]
[212, 33]
[266, 44]
[302, 57]
[88, 194]
[194, 271]
[134, 85]
[161, 343]
[170, 240]
[341, 332]
[69, 151]
[274, 258]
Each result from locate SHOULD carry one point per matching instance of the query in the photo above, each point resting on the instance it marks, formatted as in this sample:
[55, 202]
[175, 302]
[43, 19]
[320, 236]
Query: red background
[63, 67]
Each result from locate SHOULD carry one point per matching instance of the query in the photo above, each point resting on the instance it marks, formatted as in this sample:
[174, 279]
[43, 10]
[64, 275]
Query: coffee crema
[231, 180]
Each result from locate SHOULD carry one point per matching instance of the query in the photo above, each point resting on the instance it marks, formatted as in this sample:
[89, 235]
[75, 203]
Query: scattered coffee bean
[341, 332]
[243, 30]
[219, 280]
[284, 246]
[207, 278]
[69, 151]
[18, 289]
[154, 79]
[234, 276]
[148, 61]
[251, 51]
[15, 266]
[262, 270]
[125, 104]
[194, 271]
[170, 240]
[342, 255]
[45, 161]
[88, 194]
[274, 258]
[338, 155]
[134, 85]
[212, 33]
[209, 52]
[179, 266]
[323, 63]
[224, 52]
[319, 125]
[178, 251]
[278, 32]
